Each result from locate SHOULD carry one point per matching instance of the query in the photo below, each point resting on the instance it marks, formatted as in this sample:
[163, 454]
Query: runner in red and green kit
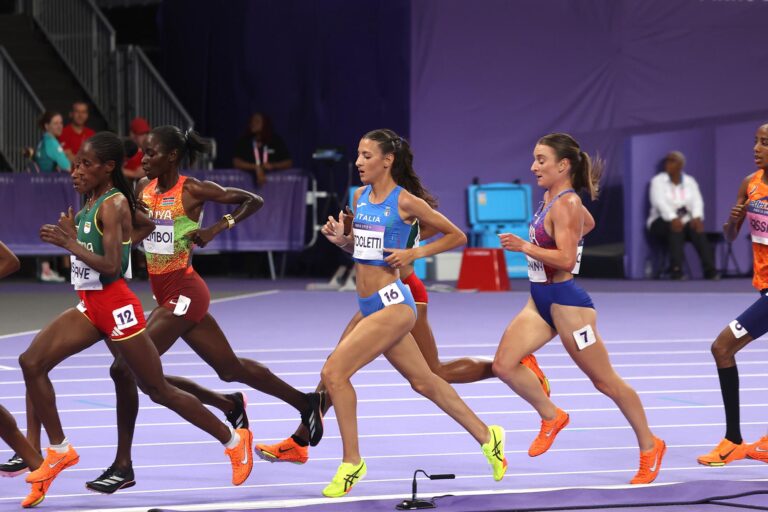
[175, 205]
[99, 240]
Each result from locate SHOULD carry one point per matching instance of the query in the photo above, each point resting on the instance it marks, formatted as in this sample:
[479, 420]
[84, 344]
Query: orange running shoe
[287, 450]
[53, 464]
[37, 494]
[759, 450]
[548, 432]
[650, 463]
[530, 362]
[240, 457]
[724, 453]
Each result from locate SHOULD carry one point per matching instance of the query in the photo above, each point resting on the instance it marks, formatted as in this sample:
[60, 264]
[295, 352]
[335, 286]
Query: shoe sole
[11, 474]
[270, 458]
[125, 485]
[553, 436]
[33, 505]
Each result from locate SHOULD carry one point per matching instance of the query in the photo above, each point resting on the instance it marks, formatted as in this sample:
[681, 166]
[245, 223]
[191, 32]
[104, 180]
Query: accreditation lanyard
[257, 155]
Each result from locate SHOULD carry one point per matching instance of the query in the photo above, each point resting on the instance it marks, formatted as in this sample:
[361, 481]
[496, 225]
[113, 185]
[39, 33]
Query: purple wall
[488, 78]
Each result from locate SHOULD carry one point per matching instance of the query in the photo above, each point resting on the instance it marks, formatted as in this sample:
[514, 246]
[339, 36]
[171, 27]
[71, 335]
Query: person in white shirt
[677, 215]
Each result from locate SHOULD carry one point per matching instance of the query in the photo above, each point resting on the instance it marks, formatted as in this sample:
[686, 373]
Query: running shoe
[240, 457]
[345, 478]
[53, 464]
[237, 417]
[548, 432]
[650, 463]
[37, 494]
[759, 450]
[14, 467]
[494, 452]
[724, 453]
[530, 362]
[287, 450]
[112, 480]
[312, 418]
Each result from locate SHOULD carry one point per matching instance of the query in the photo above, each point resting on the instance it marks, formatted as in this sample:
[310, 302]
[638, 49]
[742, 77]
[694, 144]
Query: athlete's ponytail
[585, 172]
[108, 146]
[402, 168]
[188, 144]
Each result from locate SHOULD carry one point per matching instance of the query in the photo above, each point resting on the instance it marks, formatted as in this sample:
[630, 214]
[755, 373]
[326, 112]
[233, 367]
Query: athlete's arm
[203, 191]
[9, 263]
[412, 207]
[732, 226]
[142, 227]
[340, 231]
[567, 220]
[110, 215]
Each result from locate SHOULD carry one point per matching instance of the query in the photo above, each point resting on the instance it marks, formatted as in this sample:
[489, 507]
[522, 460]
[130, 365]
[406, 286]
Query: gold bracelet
[230, 220]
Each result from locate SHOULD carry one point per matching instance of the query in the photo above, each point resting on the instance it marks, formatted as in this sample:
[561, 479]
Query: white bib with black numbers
[536, 272]
[369, 241]
[579, 251]
[83, 276]
[160, 241]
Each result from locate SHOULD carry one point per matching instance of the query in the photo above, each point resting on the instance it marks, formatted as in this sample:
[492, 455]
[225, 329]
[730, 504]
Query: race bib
[536, 272]
[391, 294]
[579, 250]
[182, 305]
[160, 241]
[83, 276]
[369, 241]
[584, 337]
[125, 317]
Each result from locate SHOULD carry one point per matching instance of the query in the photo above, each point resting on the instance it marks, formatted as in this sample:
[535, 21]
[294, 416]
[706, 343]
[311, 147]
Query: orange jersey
[757, 222]
[167, 247]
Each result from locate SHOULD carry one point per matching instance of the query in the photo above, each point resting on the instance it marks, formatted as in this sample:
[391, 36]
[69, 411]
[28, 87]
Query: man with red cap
[139, 129]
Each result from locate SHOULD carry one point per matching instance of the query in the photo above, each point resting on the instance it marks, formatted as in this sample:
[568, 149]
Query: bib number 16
[391, 294]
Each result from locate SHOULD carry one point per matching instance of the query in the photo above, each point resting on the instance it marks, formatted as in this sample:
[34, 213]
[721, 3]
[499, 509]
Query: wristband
[230, 220]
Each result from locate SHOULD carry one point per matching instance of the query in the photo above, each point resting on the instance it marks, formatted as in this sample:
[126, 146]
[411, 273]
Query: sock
[61, 448]
[234, 441]
[299, 441]
[729, 386]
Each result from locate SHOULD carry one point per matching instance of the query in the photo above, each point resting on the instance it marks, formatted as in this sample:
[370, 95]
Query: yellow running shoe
[759, 450]
[494, 452]
[240, 457]
[548, 432]
[37, 494]
[530, 362]
[53, 464]
[287, 450]
[346, 477]
[724, 453]
[650, 463]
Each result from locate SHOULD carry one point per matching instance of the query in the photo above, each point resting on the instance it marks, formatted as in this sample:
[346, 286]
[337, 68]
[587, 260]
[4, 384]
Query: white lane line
[213, 301]
[414, 398]
[707, 376]
[329, 348]
[320, 361]
[240, 505]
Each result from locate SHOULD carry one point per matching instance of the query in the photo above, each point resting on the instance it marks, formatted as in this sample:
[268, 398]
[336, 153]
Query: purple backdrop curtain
[488, 78]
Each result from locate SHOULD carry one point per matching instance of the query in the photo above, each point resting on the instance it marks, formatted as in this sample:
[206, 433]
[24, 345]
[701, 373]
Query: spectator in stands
[677, 215]
[49, 155]
[260, 150]
[138, 132]
[75, 133]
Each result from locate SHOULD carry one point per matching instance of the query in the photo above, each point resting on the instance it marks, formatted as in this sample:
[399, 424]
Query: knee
[425, 385]
[30, 364]
[332, 376]
[161, 395]
[119, 372]
[227, 374]
[503, 369]
[721, 350]
[608, 387]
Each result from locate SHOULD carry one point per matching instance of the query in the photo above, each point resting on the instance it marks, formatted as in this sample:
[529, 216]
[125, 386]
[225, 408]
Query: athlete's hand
[55, 235]
[141, 205]
[348, 217]
[67, 222]
[739, 211]
[512, 242]
[201, 237]
[399, 257]
[334, 230]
